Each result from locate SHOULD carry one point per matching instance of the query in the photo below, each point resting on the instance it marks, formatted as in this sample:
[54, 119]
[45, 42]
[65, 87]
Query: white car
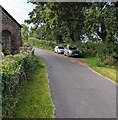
[71, 51]
[59, 49]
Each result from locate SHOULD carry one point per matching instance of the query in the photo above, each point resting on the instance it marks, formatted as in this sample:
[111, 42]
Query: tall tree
[60, 18]
[101, 19]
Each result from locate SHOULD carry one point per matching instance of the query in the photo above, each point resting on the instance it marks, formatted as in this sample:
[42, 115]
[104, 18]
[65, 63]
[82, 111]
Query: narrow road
[78, 92]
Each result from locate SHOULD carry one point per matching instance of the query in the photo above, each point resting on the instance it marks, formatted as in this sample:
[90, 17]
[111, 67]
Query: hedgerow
[104, 51]
[44, 44]
[15, 70]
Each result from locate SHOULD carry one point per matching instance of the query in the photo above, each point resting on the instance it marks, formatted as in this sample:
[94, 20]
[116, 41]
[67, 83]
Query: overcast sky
[19, 9]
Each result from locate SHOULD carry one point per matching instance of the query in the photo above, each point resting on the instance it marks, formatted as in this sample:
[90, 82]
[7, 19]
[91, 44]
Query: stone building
[10, 32]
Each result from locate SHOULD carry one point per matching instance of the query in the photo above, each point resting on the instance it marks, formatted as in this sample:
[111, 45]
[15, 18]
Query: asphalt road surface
[78, 92]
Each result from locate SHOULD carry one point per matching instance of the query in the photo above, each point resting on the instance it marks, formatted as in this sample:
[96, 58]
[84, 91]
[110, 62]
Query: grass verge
[95, 63]
[34, 99]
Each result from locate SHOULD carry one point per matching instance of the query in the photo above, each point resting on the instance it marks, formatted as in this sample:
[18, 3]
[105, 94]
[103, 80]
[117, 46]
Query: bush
[106, 52]
[10, 69]
[29, 64]
[109, 61]
[15, 70]
[44, 44]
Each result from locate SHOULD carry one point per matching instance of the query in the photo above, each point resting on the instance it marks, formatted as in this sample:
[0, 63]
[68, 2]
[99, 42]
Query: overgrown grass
[96, 65]
[34, 99]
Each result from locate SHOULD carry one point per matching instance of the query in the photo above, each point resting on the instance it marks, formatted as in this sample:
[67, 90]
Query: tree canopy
[73, 21]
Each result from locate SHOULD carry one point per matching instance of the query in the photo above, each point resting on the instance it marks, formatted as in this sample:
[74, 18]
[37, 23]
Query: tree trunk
[103, 33]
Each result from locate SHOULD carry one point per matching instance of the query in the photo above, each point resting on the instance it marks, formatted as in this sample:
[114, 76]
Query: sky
[18, 9]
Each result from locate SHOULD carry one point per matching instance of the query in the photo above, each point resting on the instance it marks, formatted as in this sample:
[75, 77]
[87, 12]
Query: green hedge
[15, 70]
[106, 52]
[44, 44]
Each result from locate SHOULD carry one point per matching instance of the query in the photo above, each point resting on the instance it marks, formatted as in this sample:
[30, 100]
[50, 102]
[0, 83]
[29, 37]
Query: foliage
[29, 65]
[99, 67]
[77, 22]
[106, 52]
[59, 20]
[24, 33]
[44, 44]
[34, 97]
[101, 21]
[15, 70]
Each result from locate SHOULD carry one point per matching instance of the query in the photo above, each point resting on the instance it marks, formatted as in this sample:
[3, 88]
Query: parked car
[59, 49]
[71, 51]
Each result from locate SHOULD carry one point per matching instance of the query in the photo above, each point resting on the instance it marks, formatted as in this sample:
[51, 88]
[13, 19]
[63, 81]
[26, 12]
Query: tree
[60, 18]
[74, 20]
[101, 19]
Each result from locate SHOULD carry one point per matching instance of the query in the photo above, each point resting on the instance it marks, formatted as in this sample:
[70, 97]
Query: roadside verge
[34, 99]
[107, 72]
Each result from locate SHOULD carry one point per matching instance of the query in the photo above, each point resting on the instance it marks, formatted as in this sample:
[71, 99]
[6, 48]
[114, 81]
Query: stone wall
[11, 25]
[0, 28]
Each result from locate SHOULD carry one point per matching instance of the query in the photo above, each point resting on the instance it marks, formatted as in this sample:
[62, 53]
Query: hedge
[15, 70]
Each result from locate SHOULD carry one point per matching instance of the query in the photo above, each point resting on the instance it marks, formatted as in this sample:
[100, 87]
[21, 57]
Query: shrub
[29, 64]
[44, 44]
[106, 52]
[15, 70]
[109, 61]
[10, 69]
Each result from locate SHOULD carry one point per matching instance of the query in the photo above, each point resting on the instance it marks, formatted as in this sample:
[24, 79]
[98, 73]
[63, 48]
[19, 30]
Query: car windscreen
[72, 48]
[61, 47]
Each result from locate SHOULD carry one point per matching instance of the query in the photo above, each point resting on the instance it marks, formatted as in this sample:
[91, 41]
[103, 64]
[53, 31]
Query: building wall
[8, 24]
[0, 28]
